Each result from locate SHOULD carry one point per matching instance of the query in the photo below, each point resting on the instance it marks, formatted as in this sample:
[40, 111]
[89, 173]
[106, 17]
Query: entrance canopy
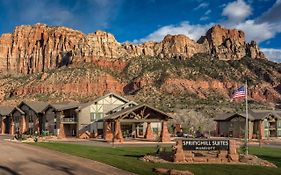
[139, 113]
[136, 114]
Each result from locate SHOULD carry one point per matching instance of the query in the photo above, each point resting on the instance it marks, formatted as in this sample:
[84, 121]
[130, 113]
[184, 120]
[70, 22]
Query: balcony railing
[69, 120]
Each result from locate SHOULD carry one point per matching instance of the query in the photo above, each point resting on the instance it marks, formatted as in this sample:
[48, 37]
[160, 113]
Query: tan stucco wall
[102, 106]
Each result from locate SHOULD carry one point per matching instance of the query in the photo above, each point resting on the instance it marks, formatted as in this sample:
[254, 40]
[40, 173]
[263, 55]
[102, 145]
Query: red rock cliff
[36, 48]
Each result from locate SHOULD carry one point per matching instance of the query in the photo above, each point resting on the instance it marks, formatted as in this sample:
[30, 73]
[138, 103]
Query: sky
[142, 20]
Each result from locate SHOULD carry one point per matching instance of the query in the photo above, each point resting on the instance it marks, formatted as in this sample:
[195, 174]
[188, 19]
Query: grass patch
[270, 154]
[126, 158]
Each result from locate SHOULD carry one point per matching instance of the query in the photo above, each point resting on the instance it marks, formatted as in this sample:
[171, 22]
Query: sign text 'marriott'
[205, 145]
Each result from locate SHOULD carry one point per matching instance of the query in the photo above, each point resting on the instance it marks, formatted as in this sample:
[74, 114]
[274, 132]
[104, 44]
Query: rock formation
[31, 49]
[229, 44]
[52, 62]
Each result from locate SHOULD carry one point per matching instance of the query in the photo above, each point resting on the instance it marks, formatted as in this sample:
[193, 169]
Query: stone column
[165, 135]
[149, 133]
[26, 123]
[61, 131]
[178, 152]
[250, 130]
[36, 124]
[117, 132]
[3, 126]
[23, 124]
[61, 125]
[232, 152]
[261, 129]
[12, 126]
[107, 131]
[218, 129]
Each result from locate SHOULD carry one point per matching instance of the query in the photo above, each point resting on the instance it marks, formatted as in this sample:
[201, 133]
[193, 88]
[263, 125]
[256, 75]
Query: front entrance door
[127, 130]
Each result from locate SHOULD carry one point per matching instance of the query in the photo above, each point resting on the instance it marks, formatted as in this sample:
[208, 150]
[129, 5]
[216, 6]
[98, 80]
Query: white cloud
[192, 31]
[272, 54]
[237, 11]
[208, 12]
[202, 6]
[255, 29]
[273, 14]
[257, 32]
[204, 18]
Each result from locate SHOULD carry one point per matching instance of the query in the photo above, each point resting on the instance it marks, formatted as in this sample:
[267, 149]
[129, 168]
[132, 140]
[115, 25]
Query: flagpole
[247, 122]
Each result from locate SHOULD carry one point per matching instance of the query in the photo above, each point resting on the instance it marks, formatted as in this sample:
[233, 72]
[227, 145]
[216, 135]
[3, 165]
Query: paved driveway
[20, 159]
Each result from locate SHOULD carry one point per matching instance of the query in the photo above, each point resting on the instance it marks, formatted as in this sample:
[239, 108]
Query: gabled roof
[37, 106]
[131, 109]
[253, 115]
[118, 108]
[17, 109]
[102, 97]
[6, 110]
[62, 106]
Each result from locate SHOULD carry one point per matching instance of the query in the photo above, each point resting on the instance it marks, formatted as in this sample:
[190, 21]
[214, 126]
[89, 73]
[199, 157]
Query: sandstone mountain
[37, 48]
[59, 63]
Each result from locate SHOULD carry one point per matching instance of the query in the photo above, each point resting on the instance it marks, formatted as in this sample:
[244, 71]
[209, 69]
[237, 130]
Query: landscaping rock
[254, 160]
[180, 172]
[161, 170]
[172, 171]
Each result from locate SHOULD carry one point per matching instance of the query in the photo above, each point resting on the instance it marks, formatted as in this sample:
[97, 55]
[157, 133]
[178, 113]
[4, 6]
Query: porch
[137, 122]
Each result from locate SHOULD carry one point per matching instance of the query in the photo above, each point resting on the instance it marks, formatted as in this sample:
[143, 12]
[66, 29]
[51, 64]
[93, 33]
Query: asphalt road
[21, 159]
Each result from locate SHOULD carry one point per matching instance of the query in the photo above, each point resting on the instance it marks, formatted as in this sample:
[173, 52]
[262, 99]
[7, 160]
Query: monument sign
[205, 145]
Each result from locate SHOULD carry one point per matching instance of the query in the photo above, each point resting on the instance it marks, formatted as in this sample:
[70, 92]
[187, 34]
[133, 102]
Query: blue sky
[142, 20]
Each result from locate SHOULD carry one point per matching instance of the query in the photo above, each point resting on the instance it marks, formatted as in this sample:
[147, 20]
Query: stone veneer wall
[224, 156]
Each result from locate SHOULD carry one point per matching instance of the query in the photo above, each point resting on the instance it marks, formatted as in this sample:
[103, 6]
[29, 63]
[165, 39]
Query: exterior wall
[64, 123]
[268, 131]
[279, 128]
[84, 122]
[100, 108]
[224, 128]
[50, 124]
[235, 128]
[17, 119]
[31, 117]
[256, 129]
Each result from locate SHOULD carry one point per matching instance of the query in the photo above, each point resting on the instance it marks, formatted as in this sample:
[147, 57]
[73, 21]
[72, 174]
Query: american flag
[240, 92]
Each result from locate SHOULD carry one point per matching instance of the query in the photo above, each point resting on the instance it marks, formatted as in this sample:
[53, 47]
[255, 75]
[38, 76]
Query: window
[96, 116]
[279, 133]
[266, 124]
[17, 120]
[30, 119]
[155, 130]
[279, 123]
[266, 133]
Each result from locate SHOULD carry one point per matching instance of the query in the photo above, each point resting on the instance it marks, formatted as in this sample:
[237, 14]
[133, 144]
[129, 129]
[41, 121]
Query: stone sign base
[229, 156]
[221, 157]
